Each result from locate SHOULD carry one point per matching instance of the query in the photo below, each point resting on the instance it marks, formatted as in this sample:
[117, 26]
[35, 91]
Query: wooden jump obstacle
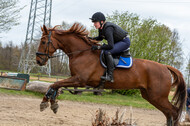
[14, 83]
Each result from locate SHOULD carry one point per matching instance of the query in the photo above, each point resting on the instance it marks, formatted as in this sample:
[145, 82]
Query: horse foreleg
[50, 95]
[52, 92]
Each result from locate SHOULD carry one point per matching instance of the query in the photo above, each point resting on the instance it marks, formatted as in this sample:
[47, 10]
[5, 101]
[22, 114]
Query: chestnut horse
[153, 79]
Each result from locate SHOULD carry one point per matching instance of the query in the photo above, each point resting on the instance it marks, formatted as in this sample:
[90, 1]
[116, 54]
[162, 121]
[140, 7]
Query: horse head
[71, 41]
[46, 47]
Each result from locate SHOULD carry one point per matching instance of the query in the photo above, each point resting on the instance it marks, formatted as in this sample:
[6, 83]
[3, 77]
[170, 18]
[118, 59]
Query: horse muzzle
[41, 58]
[39, 63]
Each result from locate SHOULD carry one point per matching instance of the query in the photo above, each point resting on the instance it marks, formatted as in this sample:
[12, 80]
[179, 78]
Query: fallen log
[38, 86]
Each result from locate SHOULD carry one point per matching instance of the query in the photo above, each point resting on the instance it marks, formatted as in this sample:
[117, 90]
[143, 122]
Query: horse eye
[43, 42]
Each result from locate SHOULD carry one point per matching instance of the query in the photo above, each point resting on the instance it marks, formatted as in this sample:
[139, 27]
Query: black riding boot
[110, 67]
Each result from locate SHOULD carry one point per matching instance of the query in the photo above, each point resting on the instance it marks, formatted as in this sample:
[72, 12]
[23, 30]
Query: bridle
[40, 54]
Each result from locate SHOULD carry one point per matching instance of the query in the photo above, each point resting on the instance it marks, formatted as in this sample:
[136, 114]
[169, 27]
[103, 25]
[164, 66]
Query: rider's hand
[90, 37]
[95, 47]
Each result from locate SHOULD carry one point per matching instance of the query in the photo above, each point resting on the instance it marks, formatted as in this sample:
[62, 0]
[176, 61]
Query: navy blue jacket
[112, 33]
[188, 97]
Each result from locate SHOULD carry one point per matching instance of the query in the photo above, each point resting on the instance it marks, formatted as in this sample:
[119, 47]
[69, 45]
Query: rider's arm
[109, 38]
[98, 38]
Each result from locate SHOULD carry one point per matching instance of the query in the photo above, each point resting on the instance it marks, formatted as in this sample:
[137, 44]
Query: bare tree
[9, 14]
[9, 56]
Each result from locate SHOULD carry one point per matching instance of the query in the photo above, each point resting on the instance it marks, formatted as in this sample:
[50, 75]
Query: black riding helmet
[97, 17]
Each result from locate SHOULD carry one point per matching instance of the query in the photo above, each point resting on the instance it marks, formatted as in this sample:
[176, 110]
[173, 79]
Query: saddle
[122, 60]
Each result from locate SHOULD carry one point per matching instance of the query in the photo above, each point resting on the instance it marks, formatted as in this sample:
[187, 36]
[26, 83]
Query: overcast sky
[173, 13]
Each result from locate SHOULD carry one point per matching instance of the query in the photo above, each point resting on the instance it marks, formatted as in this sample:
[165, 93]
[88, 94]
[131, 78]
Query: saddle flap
[125, 62]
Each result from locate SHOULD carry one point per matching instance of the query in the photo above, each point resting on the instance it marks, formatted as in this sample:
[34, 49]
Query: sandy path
[24, 111]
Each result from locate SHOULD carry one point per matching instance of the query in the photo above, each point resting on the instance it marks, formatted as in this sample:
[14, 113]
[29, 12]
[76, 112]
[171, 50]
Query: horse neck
[71, 43]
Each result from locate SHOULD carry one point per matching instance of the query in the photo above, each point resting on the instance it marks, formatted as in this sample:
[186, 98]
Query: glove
[90, 37]
[95, 47]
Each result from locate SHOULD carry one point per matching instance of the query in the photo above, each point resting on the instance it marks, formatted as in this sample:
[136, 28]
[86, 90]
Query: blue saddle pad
[125, 62]
[122, 62]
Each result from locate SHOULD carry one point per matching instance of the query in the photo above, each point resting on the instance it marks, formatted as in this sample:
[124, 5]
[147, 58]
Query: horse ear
[42, 29]
[45, 29]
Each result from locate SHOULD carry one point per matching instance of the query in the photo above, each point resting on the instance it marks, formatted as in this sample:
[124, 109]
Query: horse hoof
[54, 107]
[43, 106]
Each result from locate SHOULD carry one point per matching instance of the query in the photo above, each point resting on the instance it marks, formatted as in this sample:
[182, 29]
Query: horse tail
[179, 98]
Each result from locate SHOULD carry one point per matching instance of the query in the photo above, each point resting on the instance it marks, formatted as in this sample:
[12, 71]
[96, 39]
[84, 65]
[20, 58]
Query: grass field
[106, 98]
[109, 98]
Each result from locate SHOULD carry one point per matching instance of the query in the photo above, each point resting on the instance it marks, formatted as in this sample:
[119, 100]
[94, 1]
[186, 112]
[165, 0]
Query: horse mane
[77, 29]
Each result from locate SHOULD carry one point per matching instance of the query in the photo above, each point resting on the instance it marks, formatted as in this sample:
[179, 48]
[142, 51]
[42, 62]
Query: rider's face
[97, 25]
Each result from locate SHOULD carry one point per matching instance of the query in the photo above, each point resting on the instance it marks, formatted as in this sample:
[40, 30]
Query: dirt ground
[24, 111]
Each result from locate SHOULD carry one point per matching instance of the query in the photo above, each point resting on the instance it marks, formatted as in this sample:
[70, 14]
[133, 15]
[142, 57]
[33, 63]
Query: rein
[71, 53]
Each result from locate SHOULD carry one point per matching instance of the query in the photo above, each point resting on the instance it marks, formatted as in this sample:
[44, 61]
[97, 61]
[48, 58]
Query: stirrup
[107, 78]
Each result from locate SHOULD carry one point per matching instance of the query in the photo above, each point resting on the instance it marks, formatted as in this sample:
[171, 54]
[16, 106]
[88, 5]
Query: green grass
[106, 98]
[7, 71]
[24, 93]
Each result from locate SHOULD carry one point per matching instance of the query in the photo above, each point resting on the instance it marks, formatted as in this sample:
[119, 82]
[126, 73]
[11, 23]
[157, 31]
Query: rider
[117, 41]
[188, 102]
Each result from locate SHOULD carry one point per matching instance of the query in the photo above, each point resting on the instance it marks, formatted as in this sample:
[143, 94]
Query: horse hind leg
[170, 121]
[167, 108]
[163, 105]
